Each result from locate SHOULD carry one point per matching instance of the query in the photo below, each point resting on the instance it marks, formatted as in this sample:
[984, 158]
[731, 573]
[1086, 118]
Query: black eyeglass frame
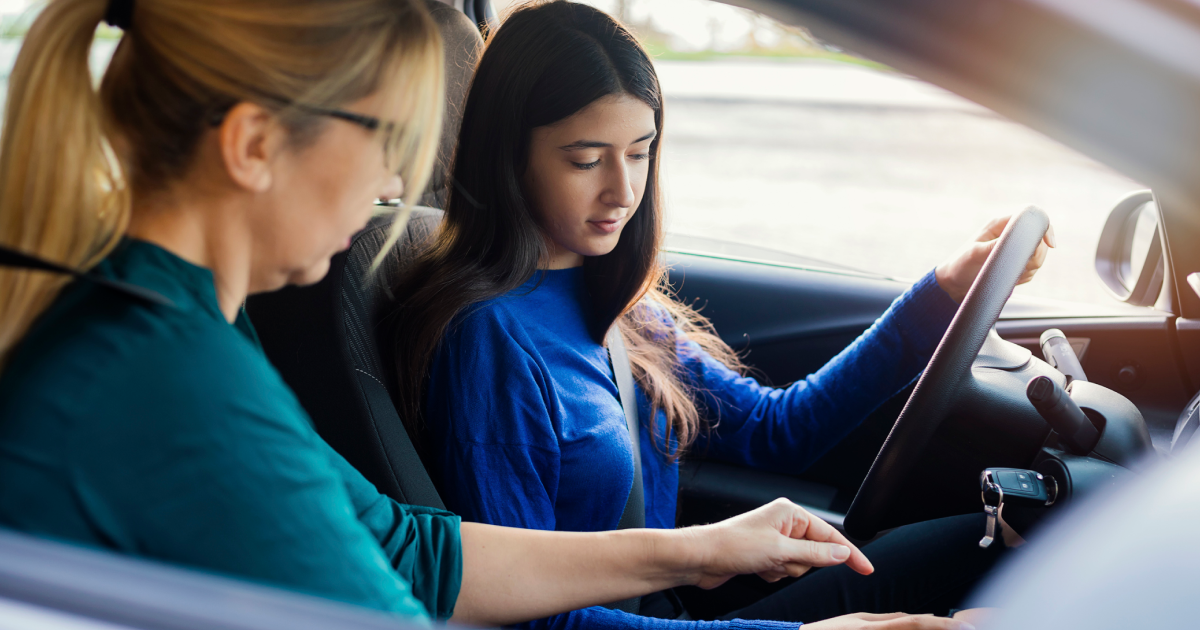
[370, 123]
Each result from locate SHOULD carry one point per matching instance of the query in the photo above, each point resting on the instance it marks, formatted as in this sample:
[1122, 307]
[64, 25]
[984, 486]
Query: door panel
[1188, 332]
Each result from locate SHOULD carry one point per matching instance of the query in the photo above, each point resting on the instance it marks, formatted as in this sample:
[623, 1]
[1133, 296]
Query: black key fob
[1012, 486]
[1018, 486]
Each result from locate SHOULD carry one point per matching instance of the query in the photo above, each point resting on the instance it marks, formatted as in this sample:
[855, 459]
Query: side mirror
[1129, 258]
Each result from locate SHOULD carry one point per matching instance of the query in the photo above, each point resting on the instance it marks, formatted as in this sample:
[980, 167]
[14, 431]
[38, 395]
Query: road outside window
[774, 141]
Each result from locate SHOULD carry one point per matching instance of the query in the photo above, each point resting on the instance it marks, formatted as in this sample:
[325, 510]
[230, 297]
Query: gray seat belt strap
[635, 507]
[634, 515]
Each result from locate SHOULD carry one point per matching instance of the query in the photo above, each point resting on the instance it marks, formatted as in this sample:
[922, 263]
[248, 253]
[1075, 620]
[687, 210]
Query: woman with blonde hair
[233, 147]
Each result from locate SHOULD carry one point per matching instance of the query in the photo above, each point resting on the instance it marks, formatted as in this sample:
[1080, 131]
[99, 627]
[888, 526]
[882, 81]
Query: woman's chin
[310, 275]
[601, 247]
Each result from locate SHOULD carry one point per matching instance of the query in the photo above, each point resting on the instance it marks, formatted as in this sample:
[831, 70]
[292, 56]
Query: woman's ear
[250, 137]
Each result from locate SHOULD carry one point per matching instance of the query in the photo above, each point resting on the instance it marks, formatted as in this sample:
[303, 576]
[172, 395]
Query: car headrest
[463, 46]
[325, 341]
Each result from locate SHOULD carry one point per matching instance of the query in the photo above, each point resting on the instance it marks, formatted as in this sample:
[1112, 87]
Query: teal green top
[164, 432]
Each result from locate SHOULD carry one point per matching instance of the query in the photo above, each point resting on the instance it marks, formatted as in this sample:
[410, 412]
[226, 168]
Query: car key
[1014, 486]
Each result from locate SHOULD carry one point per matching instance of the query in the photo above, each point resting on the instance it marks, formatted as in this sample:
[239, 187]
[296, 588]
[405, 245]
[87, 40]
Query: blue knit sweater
[527, 429]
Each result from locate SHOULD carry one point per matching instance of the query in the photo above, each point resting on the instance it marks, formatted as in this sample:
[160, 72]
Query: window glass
[779, 147]
[775, 141]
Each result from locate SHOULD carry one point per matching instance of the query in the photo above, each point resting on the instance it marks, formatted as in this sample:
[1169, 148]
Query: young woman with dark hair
[551, 242]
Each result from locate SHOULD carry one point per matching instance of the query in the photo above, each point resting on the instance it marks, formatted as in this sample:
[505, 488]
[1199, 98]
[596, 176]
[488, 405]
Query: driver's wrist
[945, 280]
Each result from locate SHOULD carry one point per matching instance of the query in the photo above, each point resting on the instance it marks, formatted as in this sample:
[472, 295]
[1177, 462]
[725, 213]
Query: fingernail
[840, 552]
[962, 625]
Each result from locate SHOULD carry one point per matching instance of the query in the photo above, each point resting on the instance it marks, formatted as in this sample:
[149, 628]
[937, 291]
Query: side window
[779, 147]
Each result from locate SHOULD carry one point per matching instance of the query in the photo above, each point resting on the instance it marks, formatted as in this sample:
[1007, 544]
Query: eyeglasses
[370, 123]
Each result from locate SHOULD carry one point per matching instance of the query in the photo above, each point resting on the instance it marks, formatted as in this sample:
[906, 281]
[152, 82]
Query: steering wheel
[936, 391]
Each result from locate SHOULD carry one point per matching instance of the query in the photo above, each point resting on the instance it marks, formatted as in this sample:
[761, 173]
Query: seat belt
[17, 260]
[634, 515]
[412, 479]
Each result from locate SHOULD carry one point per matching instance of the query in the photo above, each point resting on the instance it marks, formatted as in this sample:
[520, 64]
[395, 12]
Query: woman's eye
[586, 166]
[640, 156]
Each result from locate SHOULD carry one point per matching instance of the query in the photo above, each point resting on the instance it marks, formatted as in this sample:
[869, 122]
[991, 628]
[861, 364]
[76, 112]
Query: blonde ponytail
[73, 159]
[61, 195]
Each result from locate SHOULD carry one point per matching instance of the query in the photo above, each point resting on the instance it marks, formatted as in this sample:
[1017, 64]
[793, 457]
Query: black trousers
[928, 567]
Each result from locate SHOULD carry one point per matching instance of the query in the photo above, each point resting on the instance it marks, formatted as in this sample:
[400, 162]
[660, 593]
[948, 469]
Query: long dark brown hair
[548, 61]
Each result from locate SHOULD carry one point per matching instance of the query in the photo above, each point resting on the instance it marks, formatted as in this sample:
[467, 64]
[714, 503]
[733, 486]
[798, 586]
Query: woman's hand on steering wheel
[957, 274]
[778, 540]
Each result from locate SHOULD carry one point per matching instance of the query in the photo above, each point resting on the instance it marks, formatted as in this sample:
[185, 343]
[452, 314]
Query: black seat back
[325, 340]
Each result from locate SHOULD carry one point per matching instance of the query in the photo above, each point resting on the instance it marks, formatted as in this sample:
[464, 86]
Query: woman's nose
[392, 189]
[619, 191]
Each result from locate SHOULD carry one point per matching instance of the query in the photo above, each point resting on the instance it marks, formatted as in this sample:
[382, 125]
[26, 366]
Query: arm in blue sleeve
[786, 430]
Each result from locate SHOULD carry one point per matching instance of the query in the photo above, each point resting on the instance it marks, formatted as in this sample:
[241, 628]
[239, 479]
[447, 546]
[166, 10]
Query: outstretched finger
[815, 554]
[820, 531]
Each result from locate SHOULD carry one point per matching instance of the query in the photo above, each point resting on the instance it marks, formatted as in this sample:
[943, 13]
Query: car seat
[323, 338]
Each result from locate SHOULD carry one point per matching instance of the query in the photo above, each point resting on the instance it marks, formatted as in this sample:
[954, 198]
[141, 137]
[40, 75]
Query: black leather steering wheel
[935, 393]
